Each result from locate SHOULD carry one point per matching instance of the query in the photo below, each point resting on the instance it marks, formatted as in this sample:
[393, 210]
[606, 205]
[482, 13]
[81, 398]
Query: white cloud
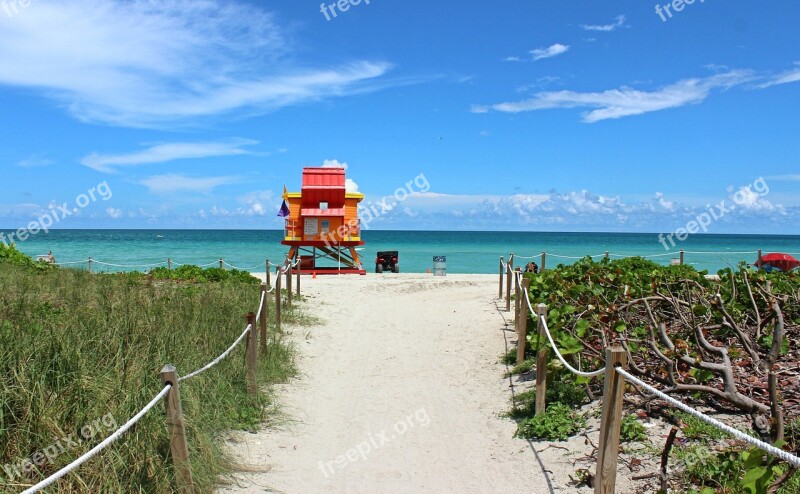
[170, 183]
[162, 153]
[153, 64]
[35, 161]
[114, 213]
[579, 209]
[257, 203]
[334, 164]
[625, 101]
[619, 22]
[349, 184]
[787, 77]
[550, 51]
[785, 178]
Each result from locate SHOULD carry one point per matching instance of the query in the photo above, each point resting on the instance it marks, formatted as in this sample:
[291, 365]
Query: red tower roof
[323, 185]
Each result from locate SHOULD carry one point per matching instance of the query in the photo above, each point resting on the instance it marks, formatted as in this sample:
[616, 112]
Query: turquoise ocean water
[466, 252]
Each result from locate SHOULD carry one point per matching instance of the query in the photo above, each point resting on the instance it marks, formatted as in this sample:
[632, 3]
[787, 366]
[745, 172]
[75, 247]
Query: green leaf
[581, 327]
[620, 327]
[752, 477]
[753, 458]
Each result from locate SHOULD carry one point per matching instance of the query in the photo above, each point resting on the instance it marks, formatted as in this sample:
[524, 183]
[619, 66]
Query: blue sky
[520, 115]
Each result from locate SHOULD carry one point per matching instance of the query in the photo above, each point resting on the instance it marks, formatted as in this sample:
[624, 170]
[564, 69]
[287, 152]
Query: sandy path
[401, 392]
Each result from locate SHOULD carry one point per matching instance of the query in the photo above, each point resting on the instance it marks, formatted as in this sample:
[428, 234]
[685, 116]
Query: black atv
[387, 261]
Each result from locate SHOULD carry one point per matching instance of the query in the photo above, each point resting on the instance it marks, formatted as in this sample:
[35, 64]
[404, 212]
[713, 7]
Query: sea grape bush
[729, 343]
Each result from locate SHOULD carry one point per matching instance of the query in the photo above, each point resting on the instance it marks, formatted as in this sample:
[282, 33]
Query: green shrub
[557, 423]
[196, 274]
[9, 255]
[631, 429]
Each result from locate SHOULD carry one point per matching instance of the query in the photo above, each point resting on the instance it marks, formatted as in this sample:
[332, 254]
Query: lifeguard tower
[322, 226]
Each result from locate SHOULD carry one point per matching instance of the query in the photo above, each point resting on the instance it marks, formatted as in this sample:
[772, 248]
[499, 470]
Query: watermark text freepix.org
[371, 211]
[11, 7]
[374, 442]
[665, 11]
[342, 5]
[702, 221]
[26, 466]
[57, 213]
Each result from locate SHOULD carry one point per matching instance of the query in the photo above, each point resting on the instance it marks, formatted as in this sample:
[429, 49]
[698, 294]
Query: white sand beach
[401, 391]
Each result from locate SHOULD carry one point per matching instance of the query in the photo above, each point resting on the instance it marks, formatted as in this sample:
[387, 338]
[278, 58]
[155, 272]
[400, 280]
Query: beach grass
[80, 354]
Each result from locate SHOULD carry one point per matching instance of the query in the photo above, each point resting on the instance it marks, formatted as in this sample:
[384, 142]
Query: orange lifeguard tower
[322, 227]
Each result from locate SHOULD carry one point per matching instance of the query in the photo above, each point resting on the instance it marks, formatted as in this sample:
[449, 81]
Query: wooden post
[289, 283]
[278, 298]
[264, 315]
[220, 263]
[610, 423]
[90, 264]
[252, 355]
[758, 263]
[298, 280]
[522, 329]
[501, 278]
[517, 306]
[682, 256]
[544, 261]
[541, 359]
[169, 263]
[269, 284]
[509, 273]
[177, 431]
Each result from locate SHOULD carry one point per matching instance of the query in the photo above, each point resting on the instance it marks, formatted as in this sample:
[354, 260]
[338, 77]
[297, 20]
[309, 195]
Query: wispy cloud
[785, 178]
[35, 161]
[618, 23]
[156, 64]
[171, 183]
[580, 209]
[625, 101]
[549, 52]
[162, 153]
[787, 77]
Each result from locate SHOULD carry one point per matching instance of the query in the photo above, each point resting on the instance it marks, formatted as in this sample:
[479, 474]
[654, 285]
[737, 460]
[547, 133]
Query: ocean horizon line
[403, 230]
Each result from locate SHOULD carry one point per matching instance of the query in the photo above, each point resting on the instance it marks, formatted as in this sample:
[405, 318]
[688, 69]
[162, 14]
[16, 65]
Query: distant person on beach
[531, 267]
[50, 258]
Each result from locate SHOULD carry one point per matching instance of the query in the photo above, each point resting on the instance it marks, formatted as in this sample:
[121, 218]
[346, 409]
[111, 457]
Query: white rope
[261, 305]
[69, 262]
[128, 265]
[731, 253]
[783, 455]
[218, 359]
[110, 439]
[257, 266]
[530, 257]
[288, 264]
[659, 255]
[565, 257]
[553, 343]
[558, 354]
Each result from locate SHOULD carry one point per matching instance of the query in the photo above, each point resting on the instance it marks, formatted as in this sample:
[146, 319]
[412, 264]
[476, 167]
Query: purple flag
[284, 212]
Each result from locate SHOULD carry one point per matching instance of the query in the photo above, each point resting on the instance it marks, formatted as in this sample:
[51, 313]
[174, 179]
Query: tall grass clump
[82, 351]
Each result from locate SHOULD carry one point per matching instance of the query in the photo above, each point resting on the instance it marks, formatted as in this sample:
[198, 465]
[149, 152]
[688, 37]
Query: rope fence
[169, 263]
[170, 391]
[616, 375]
[94, 451]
